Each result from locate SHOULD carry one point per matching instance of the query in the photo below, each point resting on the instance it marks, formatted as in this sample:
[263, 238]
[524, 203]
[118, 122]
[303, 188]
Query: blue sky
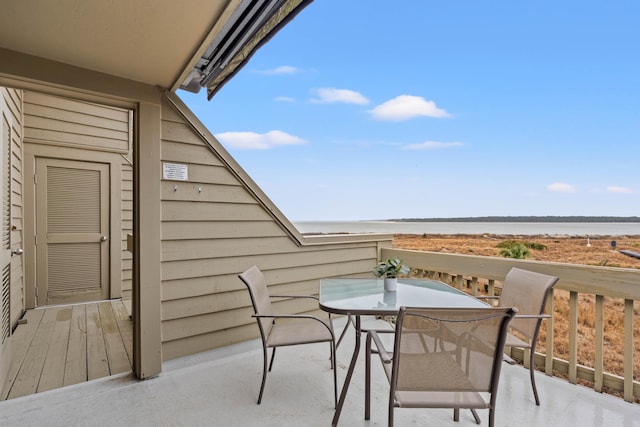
[369, 109]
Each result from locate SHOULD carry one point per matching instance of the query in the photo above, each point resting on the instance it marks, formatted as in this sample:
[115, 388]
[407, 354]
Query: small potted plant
[390, 269]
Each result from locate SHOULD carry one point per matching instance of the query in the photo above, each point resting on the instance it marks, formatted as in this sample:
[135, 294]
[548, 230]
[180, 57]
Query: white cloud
[283, 69]
[284, 99]
[619, 190]
[561, 187]
[330, 95]
[258, 141]
[405, 107]
[432, 145]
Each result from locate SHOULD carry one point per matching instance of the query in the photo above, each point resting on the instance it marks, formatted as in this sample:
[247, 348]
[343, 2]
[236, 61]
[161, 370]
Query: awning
[251, 25]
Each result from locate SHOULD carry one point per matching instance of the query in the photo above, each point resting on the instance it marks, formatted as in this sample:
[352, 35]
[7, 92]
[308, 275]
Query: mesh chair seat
[435, 391]
[303, 331]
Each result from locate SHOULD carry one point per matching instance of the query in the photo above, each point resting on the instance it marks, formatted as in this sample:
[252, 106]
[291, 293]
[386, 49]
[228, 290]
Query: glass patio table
[358, 297]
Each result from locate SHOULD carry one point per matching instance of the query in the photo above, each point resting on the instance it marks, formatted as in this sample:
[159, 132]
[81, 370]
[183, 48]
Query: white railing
[477, 274]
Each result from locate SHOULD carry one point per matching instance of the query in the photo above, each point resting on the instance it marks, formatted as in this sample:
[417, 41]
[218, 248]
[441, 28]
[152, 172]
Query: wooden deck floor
[64, 345]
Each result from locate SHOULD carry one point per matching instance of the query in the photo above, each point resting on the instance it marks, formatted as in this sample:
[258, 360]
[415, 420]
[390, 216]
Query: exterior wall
[214, 227]
[63, 127]
[13, 101]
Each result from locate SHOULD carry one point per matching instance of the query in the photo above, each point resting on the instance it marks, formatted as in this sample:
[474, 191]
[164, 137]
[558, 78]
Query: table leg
[344, 331]
[347, 380]
[367, 376]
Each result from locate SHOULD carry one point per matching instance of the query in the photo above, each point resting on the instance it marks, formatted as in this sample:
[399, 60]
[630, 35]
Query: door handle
[103, 238]
[18, 251]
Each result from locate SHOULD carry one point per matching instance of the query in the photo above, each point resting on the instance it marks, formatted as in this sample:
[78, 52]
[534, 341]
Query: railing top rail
[606, 281]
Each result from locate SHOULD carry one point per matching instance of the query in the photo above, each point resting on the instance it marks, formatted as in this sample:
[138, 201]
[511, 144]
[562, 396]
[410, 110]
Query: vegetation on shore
[570, 249]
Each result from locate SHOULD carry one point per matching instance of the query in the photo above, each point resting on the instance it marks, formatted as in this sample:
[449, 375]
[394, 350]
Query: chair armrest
[294, 316]
[295, 296]
[299, 296]
[487, 297]
[382, 352]
[532, 316]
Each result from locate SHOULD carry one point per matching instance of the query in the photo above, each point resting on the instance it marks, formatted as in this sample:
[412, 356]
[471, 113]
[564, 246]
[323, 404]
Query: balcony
[220, 387]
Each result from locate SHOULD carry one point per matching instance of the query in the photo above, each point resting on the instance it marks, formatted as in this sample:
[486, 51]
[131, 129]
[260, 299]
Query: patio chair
[291, 329]
[528, 291]
[443, 358]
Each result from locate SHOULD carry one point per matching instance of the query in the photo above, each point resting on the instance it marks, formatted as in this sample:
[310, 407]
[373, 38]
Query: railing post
[459, 281]
[628, 350]
[491, 287]
[548, 360]
[474, 286]
[573, 337]
[598, 364]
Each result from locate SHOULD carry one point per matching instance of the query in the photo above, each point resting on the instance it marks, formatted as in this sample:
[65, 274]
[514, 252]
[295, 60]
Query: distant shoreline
[478, 226]
[537, 219]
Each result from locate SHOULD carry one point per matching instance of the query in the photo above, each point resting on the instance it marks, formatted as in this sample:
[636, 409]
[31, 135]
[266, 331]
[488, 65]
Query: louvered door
[5, 242]
[72, 230]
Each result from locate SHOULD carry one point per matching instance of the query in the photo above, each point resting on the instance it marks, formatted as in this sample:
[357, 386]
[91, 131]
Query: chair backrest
[440, 351]
[528, 291]
[257, 285]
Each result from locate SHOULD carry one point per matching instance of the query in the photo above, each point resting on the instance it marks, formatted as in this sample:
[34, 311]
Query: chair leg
[391, 408]
[531, 374]
[264, 372]
[273, 355]
[456, 414]
[335, 373]
[475, 415]
[332, 356]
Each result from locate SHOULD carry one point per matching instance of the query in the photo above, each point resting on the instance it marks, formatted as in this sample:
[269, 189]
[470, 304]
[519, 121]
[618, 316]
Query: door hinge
[35, 178]
[35, 240]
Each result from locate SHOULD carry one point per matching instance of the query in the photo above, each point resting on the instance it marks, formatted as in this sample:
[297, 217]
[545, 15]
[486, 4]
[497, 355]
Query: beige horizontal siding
[52, 120]
[179, 250]
[198, 343]
[212, 266]
[214, 226]
[231, 212]
[184, 230]
[190, 154]
[126, 228]
[199, 192]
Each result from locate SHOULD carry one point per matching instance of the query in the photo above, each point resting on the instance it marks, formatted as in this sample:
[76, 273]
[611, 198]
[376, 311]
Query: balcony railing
[577, 307]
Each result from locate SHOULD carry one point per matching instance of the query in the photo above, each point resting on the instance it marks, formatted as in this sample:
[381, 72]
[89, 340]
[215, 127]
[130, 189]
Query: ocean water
[509, 228]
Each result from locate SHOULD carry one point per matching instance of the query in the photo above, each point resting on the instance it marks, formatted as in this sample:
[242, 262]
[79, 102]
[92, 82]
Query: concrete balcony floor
[220, 388]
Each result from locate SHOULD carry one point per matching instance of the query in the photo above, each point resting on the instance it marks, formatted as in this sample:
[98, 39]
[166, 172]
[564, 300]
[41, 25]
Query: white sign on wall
[175, 172]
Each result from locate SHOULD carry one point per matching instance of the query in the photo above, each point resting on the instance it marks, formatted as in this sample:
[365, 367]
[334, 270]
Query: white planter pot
[390, 284]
